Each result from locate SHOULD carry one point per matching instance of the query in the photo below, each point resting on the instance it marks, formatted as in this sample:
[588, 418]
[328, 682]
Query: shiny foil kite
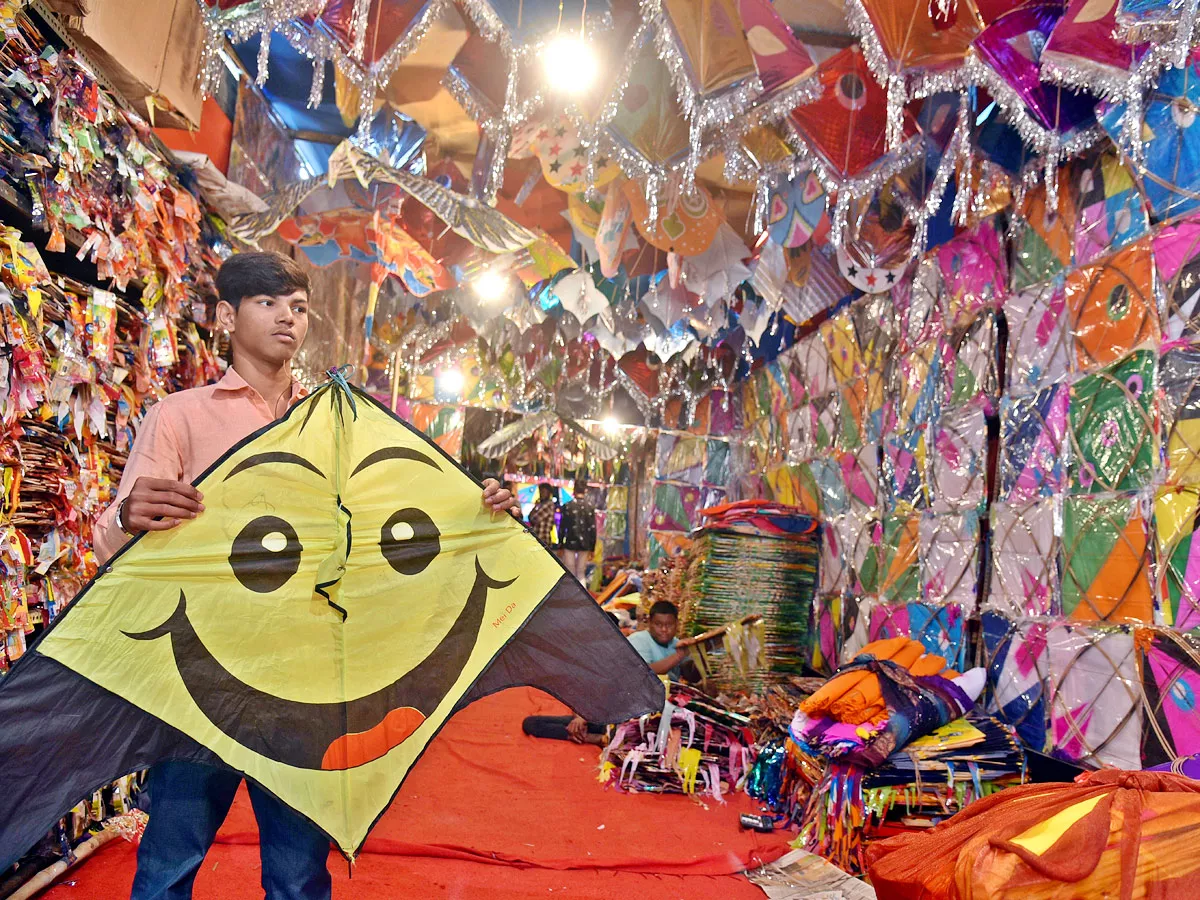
[950, 558]
[341, 596]
[1112, 306]
[1177, 258]
[1176, 513]
[1032, 439]
[1025, 552]
[1114, 426]
[1180, 385]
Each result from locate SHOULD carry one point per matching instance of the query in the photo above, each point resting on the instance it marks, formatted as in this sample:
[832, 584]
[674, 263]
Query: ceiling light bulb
[490, 286]
[611, 425]
[571, 65]
[450, 382]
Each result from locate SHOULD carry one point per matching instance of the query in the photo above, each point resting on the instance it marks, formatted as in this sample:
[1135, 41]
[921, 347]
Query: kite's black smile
[337, 735]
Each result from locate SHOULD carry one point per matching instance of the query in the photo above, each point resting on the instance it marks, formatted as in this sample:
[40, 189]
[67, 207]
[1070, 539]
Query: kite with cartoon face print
[343, 593]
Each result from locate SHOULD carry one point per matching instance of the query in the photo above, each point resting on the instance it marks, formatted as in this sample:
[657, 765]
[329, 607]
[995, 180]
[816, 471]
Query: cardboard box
[147, 48]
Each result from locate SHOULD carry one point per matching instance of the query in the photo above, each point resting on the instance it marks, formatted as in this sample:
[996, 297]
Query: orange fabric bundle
[855, 697]
[1127, 835]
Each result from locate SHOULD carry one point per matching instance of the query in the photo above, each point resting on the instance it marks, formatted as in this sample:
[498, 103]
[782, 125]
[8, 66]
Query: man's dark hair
[664, 608]
[259, 274]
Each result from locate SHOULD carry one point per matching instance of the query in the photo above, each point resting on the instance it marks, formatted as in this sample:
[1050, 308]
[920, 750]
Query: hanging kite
[343, 594]
[1170, 671]
[1024, 559]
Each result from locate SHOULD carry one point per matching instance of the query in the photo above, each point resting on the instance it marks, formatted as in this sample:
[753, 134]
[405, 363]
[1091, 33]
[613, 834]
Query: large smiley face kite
[343, 593]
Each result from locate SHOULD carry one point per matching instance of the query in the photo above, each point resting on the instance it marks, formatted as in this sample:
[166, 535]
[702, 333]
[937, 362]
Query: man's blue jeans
[188, 803]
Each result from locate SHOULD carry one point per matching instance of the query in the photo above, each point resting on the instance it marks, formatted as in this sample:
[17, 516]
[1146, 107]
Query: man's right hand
[158, 504]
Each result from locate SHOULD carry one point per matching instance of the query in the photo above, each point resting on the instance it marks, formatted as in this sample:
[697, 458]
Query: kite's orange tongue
[352, 750]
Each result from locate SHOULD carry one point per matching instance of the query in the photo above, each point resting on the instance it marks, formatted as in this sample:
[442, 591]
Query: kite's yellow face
[342, 588]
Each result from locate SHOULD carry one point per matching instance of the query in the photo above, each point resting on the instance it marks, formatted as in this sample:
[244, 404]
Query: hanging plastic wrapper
[1179, 381]
[1169, 665]
[1106, 560]
[1177, 261]
[1114, 426]
[1033, 444]
[1095, 710]
[1040, 345]
[1025, 551]
[950, 566]
[1018, 664]
[1178, 554]
[958, 461]
[1112, 306]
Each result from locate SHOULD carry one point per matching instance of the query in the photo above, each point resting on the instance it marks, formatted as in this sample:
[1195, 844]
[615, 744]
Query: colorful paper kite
[314, 695]
[1018, 665]
[1044, 236]
[1033, 433]
[846, 128]
[837, 536]
[958, 461]
[680, 457]
[372, 238]
[974, 271]
[1177, 257]
[1112, 306]
[906, 459]
[796, 210]
[1095, 696]
[1180, 388]
[1040, 346]
[941, 629]
[1170, 678]
[1176, 512]
[950, 558]
[1110, 209]
[685, 223]
[1025, 552]
[1084, 51]
[899, 578]
[970, 361]
[675, 507]
[906, 41]
[887, 620]
[1105, 560]
[1170, 172]
[1114, 426]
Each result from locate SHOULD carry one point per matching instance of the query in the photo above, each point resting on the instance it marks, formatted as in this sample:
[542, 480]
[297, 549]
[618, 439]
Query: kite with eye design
[343, 593]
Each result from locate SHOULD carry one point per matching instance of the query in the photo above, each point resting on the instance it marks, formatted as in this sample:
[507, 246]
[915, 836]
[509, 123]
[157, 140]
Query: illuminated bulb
[450, 382]
[490, 286]
[570, 64]
[611, 425]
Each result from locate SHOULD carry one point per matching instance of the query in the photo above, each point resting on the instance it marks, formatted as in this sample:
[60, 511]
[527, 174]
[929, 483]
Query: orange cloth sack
[1115, 834]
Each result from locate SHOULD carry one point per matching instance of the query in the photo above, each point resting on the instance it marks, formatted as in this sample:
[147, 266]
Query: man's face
[663, 627]
[267, 328]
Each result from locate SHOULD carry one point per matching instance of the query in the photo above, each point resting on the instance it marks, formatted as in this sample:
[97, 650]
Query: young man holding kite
[264, 303]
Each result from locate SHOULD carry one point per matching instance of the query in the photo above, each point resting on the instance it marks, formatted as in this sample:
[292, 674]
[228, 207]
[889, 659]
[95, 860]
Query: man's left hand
[496, 498]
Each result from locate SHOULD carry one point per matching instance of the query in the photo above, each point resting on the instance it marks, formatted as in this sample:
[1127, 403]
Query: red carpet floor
[489, 812]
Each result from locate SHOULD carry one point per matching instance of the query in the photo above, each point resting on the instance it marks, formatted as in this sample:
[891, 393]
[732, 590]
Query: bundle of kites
[888, 743]
[704, 748]
[755, 558]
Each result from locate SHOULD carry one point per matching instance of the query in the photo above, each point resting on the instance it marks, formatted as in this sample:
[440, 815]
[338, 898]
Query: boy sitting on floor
[662, 651]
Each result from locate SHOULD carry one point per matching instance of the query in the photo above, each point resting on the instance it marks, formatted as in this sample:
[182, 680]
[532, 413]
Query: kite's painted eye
[410, 541]
[266, 553]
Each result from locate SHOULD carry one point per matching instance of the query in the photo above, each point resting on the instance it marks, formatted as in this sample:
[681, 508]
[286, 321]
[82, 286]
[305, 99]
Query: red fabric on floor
[490, 811]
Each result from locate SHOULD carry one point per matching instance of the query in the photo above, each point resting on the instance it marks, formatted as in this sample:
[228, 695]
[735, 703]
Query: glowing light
[570, 64]
[611, 425]
[490, 286]
[450, 382]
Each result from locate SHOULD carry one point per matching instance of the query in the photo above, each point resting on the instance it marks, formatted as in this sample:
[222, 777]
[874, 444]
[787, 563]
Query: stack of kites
[756, 558]
[892, 693]
[704, 749]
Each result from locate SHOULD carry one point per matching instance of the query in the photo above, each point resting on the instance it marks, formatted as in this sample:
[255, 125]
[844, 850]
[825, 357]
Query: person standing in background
[578, 536]
[541, 517]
